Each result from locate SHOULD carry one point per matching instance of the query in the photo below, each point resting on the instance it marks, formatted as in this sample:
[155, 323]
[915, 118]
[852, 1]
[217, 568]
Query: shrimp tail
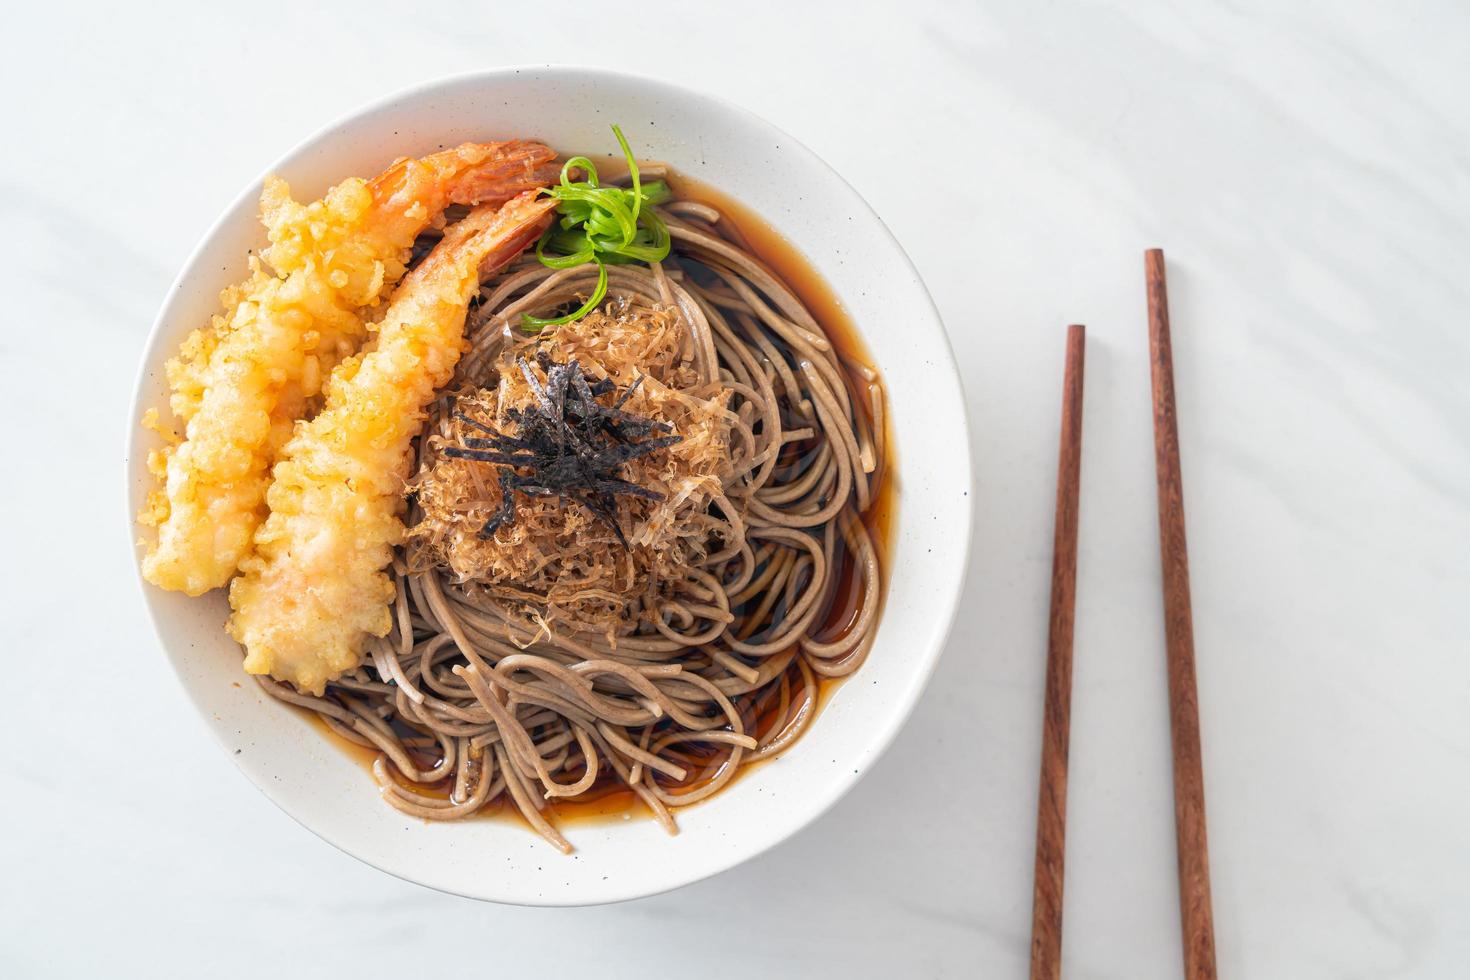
[239, 385]
[314, 590]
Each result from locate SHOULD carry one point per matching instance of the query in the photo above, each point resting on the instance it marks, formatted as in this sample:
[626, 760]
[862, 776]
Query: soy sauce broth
[609, 799]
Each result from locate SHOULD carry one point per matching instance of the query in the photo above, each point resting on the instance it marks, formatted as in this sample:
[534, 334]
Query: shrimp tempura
[315, 589]
[239, 385]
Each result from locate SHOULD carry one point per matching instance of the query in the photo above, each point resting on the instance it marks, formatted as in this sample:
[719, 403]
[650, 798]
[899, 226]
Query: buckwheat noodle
[472, 703]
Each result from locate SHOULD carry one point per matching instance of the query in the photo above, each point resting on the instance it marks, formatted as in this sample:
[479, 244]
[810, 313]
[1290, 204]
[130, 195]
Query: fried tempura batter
[315, 589]
[239, 385]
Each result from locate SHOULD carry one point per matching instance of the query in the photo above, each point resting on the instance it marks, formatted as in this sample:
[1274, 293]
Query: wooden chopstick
[1195, 913]
[1051, 808]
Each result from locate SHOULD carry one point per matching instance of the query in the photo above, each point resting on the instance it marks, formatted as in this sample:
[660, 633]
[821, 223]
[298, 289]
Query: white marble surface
[1307, 169]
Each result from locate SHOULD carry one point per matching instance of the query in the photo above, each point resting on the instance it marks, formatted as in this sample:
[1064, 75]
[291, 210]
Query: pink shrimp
[315, 590]
[240, 385]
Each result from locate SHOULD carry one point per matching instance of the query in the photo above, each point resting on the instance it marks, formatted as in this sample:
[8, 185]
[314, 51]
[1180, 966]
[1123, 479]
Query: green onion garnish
[605, 225]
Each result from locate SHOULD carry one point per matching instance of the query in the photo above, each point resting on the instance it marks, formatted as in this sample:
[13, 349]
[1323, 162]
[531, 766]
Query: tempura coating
[314, 590]
[239, 385]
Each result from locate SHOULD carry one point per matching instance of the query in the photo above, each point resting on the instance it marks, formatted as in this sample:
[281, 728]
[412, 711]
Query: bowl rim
[947, 601]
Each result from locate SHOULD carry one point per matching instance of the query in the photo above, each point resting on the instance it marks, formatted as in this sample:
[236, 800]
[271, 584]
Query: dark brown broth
[609, 799]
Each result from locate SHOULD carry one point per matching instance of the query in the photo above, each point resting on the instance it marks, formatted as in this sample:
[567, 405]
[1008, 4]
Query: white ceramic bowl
[570, 108]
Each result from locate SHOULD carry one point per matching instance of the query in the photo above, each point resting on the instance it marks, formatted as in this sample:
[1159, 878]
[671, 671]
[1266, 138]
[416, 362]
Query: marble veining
[1306, 168]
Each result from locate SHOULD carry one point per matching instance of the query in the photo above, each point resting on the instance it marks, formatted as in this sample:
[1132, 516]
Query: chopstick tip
[1153, 264]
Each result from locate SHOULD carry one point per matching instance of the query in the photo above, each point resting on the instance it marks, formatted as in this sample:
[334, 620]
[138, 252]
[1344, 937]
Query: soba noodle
[468, 701]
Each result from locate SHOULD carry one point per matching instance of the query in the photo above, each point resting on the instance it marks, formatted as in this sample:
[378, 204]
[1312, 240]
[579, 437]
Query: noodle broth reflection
[576, 663]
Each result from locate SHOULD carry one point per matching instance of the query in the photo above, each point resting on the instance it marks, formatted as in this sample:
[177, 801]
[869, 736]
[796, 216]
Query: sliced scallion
[604, 225]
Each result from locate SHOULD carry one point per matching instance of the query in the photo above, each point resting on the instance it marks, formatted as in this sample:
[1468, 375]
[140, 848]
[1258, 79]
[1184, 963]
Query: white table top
[1306, 173]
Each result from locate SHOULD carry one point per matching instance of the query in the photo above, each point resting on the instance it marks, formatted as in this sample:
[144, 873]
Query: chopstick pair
[1198, 937]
